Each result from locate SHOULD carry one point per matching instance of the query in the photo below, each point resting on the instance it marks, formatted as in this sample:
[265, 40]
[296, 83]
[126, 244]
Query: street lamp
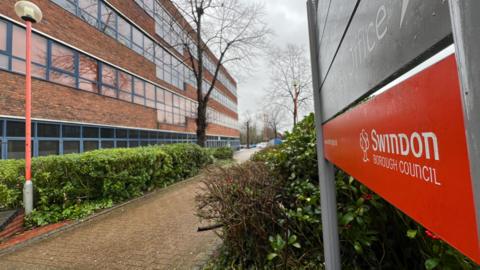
[30, 13]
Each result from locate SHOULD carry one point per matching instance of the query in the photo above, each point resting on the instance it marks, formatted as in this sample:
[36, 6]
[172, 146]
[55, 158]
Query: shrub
[243, 198]
[74, 185]
[223, 153]
[373, 233]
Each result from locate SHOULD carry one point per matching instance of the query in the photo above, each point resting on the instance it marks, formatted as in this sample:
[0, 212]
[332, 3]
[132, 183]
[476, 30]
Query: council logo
[364, 144]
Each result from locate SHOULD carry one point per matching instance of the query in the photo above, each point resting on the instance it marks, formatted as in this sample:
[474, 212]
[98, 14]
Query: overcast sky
[288, 20]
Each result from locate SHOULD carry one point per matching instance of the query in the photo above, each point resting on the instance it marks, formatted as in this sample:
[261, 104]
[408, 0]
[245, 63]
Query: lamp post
[30, 13]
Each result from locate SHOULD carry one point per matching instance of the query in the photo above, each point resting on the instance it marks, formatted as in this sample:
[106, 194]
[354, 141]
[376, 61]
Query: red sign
[408, 145]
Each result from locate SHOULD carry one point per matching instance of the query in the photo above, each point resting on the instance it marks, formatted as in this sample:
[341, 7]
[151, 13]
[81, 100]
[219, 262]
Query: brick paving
[158, 232]
[155, 232]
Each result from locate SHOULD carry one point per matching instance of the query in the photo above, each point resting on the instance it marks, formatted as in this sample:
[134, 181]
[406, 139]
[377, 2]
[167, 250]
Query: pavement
[158, 231]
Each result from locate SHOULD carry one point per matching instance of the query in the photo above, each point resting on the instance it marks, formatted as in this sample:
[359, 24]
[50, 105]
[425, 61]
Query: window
[63, 65]
[139, 90]
[133, 134]
[88, 72]
[107, 133]
[3, 36]
[16, 149]
[90, 145]
[70, 147]
[90, 132]
[63, 58]
[48, 130]
[124, 32]
[69, 5]
[16, 129]
[125, 86]
[121, 144]
[108, 144]
[89, 11]
[108, 18]
[46, 148]
[71, 131]
[121, 133]
[137, 38]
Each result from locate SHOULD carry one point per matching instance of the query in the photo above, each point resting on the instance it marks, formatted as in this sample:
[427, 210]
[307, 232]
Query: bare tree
[274, 119]
[232, 31]
[291, 81]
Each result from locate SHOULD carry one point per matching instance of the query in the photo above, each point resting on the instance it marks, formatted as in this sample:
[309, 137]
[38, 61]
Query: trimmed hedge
[74, 185]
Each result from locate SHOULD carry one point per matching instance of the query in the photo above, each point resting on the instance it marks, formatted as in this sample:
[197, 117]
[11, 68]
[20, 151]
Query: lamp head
[28, 11]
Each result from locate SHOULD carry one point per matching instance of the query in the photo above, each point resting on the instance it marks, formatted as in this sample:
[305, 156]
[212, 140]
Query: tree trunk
[295, 108]
[201, 124]
[248, 135]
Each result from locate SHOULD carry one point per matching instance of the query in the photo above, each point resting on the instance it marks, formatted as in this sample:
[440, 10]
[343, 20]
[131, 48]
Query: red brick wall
[57, 102]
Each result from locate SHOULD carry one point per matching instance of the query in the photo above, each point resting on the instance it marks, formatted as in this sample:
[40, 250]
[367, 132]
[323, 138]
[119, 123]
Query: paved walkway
[157, 232]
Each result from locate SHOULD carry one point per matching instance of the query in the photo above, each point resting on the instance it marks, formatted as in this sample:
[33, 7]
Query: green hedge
[72, 186]
[222, 153]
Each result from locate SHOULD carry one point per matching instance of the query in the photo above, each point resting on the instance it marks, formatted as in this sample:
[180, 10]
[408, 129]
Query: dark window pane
[70, 147]
[48, 130]
[144, 143]
[133, 134]
[152, 135]
[121, 133]
[90, 132]
[90, 145]
[143, 135]
[107, 133]
[107, 144]
[46, 148]
[15, 129]
[121, 144]
[1, 128]
[133, 143]
[71, 131]
[16, 149]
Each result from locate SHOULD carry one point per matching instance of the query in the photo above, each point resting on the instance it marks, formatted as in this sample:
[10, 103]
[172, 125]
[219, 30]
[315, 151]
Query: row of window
[167, 28]
[169, 68]
[61, 138]
[60, 64]
[101, 16]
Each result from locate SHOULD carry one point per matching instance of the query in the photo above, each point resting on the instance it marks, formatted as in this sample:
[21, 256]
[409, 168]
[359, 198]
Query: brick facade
[57, 102]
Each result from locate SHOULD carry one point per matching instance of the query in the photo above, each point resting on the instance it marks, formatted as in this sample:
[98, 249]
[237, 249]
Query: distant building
[105, 75]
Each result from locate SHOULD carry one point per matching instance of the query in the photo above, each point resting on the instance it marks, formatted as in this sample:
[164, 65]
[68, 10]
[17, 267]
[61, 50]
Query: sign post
[465, 25]
[326, 172]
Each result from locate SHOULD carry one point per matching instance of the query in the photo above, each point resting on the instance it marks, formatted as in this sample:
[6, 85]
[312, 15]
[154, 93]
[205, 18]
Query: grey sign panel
[383, 38]
[322, 14]
[339, 14]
